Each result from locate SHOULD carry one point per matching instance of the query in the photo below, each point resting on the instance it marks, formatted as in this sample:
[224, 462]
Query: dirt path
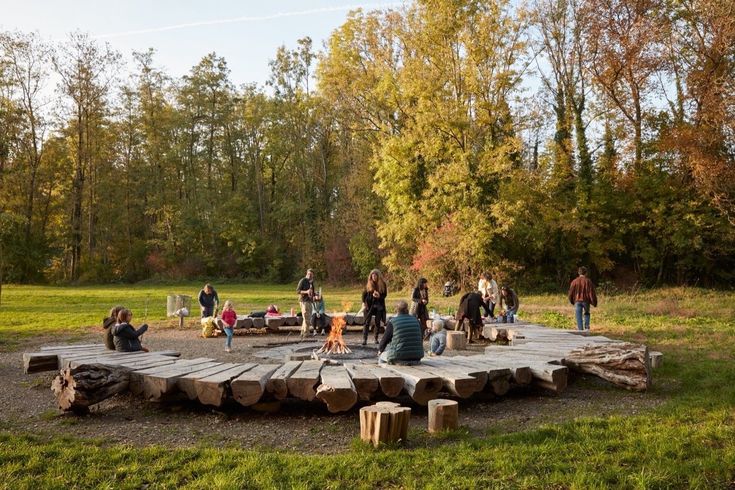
[27, 405]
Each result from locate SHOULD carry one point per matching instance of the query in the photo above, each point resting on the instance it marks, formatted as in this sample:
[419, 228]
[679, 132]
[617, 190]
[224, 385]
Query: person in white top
[489, 290]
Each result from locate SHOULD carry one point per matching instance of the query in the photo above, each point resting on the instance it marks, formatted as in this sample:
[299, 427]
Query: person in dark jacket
[208, 301]
[107, 325]
[306, 291]
[402, 342]
[373, 303]
[469, 309]
[582, 295]
[419, 304]
[510, 298]
[126, 337]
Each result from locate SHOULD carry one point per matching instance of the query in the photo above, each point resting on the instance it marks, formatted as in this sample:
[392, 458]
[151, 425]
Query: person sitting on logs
[469, 308]
[419, 302]
[107, 325]
[208, 301]
[373, 301]
[438, 340]
[510, 298]
[271, 311]
[127, 338]
[402, 343]
[320, 322]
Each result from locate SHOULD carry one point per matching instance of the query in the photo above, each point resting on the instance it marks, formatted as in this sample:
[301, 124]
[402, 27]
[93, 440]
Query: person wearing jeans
[229, 318]
[582, 295]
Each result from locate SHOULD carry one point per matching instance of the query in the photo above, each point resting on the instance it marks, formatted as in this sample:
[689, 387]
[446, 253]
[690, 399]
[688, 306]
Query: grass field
[686, 442]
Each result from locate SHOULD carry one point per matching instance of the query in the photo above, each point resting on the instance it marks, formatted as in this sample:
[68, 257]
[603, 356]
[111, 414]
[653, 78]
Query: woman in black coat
[373, 302]
[419, 305]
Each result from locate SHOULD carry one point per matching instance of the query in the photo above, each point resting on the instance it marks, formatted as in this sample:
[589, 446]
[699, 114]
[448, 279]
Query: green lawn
[688, 441]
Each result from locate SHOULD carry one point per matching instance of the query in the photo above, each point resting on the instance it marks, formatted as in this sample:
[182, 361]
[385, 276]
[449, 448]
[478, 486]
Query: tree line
[440, 139]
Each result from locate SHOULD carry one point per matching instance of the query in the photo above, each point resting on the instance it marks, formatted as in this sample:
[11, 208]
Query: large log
[420, 385]
[78, 388]
[520, 373]
[365, 381]
[213, 389]
[336, 389]
[623, 364]
[277, 385]
[250, 385]
[302, 383]
[443, 415]
[136, 377]
[380, 424]
[457, 379]
[162, 383]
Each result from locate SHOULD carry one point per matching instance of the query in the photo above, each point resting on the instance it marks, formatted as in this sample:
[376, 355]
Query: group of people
[120, 335]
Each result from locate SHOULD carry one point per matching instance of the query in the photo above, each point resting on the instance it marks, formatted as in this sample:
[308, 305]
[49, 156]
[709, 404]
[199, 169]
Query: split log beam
[78, 388]
[461, 381]
[520, 373]
[213, 390]
[443, 415]
[136, 377]
[186, 383]
[248, 388]
[420, 385]
[366, 383]
[302, 383]
[391, 383]
[336, 390]
[277, 385]
[158, 385]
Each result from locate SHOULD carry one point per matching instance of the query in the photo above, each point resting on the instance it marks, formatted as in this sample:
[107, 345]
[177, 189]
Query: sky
[247, 32]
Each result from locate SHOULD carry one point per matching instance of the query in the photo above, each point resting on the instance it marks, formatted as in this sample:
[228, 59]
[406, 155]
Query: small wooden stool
[384, 422]
[443, 415]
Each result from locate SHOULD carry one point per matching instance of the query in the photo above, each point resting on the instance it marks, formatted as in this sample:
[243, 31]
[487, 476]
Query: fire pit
[335, 343]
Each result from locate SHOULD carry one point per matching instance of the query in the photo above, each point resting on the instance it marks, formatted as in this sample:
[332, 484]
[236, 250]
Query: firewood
[443, 415]
[78, 388]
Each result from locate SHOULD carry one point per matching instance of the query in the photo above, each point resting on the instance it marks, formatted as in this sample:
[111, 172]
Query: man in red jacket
[582, 295]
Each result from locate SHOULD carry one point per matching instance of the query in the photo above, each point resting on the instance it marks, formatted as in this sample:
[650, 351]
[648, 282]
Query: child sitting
[125, 337]
[438, 340]
[229, 318]
[319, 320]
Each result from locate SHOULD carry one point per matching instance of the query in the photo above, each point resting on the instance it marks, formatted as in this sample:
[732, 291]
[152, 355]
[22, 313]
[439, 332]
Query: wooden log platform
[537, 356]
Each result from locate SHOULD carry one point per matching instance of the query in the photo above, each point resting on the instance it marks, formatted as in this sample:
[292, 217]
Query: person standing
[229, 318]
[419, 305]
[373, 302]
[208, 301]
[582, 295]
[402, 342]
[494, 295]
[305, 290]
[469, 309]
[483, 287]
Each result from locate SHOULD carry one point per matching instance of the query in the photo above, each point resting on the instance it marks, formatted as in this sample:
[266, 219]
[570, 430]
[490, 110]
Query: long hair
[421, 282]
[378, 285]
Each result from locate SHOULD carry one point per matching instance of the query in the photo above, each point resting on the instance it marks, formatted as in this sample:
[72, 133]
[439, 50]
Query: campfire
[335, 344]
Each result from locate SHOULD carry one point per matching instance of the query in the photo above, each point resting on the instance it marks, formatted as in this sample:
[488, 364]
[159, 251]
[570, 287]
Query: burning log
[335, 343]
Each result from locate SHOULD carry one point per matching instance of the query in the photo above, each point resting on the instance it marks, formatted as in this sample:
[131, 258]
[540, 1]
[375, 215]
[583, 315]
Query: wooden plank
[277, 385]
[391, 383]
[186, 383]
[213, 389]
[250, 385]
[136, 377]
[65, 360]
[302, 383]
[520, 373]
[420, 385]
[132, 364]
[336, 390]
[365, 381]
[68, 347]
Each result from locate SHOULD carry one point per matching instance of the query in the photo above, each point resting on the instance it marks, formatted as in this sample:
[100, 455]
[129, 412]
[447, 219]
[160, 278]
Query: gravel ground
[27, 405]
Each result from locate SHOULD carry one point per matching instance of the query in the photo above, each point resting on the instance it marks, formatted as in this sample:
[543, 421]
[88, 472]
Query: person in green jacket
[401, 343]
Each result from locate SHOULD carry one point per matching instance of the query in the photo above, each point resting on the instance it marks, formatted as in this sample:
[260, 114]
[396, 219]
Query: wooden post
[384, 424]
[443, 415]
[456, 340]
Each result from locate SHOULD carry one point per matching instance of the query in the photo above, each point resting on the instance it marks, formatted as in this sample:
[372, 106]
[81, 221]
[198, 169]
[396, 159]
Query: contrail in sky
[248, 19]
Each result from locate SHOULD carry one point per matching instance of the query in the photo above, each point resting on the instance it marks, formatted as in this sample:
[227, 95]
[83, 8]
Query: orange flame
[335, 343]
